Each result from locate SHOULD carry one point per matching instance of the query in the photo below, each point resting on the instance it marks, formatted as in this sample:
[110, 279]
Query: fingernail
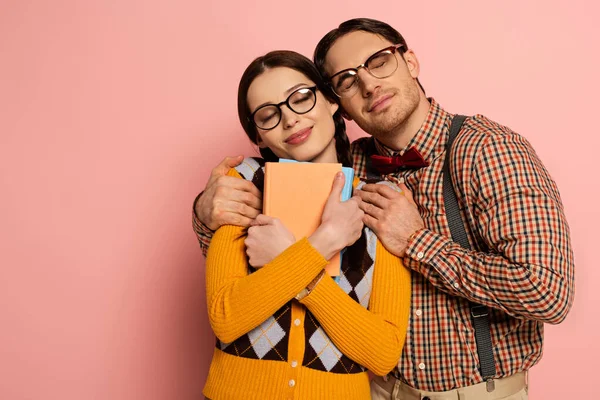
[339, 175]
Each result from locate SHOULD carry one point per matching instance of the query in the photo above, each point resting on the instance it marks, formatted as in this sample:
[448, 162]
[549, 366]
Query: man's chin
[383, 126]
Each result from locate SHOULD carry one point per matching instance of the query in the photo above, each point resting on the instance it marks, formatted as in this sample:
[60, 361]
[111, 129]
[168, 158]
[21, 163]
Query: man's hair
[358, 24]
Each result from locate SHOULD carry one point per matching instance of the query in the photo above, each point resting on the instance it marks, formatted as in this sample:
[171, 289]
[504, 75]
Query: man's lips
[299, 137]
[380, 103]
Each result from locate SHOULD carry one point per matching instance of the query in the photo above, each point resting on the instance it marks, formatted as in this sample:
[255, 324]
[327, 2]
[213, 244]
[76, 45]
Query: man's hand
[227, 200]
[393, 216]
[267, 238]
[341, 223]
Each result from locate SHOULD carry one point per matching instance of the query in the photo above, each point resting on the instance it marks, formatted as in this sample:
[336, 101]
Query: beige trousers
[509, 388]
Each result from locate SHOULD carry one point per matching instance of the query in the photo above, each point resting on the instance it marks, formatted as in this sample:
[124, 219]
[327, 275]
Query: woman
[286, 329]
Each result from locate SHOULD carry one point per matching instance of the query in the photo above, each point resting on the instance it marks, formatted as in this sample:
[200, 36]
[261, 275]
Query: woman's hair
[295, 61]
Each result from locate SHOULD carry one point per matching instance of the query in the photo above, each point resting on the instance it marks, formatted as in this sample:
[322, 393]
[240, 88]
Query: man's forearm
[522, 289]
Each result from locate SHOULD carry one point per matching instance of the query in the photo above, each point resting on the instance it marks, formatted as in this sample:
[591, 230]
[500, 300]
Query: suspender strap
[455, 222]
[480, 314]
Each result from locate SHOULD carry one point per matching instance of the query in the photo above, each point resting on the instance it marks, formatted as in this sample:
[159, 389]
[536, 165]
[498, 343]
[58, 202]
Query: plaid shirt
[524, 269]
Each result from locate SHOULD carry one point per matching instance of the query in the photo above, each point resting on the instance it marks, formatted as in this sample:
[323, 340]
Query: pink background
[112, 114]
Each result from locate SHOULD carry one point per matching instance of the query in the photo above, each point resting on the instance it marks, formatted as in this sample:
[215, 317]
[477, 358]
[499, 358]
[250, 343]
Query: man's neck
[404, 133]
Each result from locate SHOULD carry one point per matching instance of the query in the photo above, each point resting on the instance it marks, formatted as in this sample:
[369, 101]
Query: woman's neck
[329, 155]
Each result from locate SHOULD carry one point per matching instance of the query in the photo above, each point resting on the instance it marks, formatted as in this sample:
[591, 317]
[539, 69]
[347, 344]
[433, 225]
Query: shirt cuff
[422, 248]
[199, 226]
[203, 232]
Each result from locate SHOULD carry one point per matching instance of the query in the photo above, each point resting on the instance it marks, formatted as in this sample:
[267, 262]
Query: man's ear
[412, 63]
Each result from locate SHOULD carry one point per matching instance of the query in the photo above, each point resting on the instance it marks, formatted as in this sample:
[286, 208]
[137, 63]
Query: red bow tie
[410, 159]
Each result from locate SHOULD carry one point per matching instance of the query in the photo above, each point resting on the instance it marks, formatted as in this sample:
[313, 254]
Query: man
[521, 267]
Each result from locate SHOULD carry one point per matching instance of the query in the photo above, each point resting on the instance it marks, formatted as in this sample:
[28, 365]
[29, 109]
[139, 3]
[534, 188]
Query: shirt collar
[428, 139]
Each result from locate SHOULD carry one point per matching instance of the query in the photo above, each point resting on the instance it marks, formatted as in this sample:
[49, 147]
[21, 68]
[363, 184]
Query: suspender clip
[479, 311]
[490, 386]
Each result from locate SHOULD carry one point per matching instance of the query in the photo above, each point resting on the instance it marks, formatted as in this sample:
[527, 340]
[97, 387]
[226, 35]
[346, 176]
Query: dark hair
[295, 61]
[358, 24]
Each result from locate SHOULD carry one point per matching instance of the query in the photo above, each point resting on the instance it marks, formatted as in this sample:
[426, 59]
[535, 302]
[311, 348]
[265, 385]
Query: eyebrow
[286, 93]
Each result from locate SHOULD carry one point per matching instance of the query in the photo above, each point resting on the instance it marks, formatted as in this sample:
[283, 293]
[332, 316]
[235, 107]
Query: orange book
[296, 193]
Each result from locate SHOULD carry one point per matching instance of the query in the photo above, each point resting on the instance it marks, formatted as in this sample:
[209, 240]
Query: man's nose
[367, 82]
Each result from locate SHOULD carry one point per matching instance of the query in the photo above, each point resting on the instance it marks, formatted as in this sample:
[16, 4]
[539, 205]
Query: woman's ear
[333, 107]
[259, 142]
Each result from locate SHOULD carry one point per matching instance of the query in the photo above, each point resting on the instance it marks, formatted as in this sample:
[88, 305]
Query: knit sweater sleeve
[237, 300]
[372, 337]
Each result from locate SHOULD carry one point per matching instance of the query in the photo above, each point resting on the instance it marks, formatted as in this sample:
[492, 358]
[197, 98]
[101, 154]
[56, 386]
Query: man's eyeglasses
[381, 65]
[301, 101]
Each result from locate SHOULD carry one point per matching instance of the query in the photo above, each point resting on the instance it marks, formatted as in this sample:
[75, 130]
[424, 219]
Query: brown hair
[358, 24]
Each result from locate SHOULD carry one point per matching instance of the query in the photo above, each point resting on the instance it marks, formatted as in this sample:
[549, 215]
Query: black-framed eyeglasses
[381, 65]
[300, 101]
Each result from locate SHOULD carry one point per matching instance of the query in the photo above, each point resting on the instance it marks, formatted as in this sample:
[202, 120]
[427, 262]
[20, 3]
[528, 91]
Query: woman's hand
[341, 223]
[267, 238]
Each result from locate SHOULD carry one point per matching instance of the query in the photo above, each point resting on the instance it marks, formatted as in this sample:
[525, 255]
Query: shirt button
[297, 322]
[421, 366]
[292, 383]
[420, 255]
[456, 285]
[294, 364]
[418, 312]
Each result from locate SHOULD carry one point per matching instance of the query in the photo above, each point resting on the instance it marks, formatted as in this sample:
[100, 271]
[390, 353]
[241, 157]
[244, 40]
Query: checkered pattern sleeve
[374, 338]
[203, 232]
[529, 269]
[239, 301]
